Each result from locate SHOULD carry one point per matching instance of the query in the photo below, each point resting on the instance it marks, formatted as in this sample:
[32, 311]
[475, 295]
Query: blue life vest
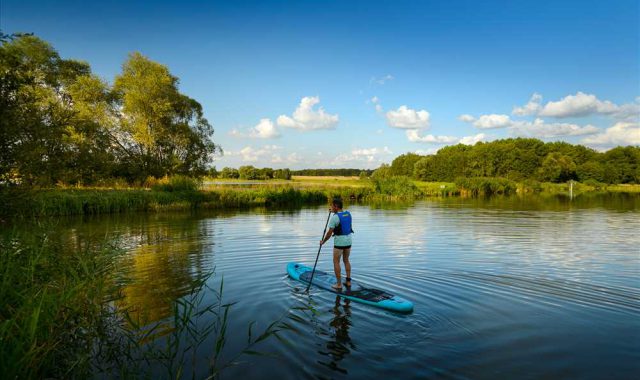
[344, 228]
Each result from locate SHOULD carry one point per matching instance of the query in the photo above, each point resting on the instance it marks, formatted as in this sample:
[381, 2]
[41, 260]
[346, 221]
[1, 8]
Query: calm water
[503, 288]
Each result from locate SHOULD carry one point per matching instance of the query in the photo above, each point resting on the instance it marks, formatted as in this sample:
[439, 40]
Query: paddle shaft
[318, 255]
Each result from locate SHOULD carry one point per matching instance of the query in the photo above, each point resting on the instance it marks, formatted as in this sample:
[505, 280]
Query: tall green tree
[404, 164]
[36, 111]
[163, 132]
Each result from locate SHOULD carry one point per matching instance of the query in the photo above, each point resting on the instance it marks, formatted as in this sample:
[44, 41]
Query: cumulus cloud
[264, 130]
[540, 129]
[306, 118]
[472, 140]
[531, 108]
[537, 128]
[580, 104]
[427, 152]
[408, 118]
[493, 121]
[466, 118]
[251, 154]
[621, 133]
[370, 157]
[290, 159]
[414, 136]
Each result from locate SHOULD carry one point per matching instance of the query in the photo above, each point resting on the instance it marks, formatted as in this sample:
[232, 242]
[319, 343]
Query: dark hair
[337, 202]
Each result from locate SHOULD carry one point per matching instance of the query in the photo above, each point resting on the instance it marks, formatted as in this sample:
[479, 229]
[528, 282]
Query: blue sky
[356, 83]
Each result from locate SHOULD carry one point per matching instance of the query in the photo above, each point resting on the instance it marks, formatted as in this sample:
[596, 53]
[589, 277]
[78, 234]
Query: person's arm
[327, 236]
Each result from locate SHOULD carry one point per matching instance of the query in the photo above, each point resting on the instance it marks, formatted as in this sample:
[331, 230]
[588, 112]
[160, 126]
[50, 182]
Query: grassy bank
[183, 195]
[52, 309]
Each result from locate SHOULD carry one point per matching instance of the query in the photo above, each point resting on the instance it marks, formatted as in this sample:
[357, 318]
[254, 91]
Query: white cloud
[264, 130]
[540, 129]
[376, 102]
[370, 151]
[493, 121]
[472, 140]
[369, 157]
[290, 159]
[531, 108]
[629, 112]
[622, 133]
[426, 152]
[382, 80]
[408, 118]
[414, 136]
[580, 104]
[537, 128]
[305, 118]
[466, 118]
[250, 154]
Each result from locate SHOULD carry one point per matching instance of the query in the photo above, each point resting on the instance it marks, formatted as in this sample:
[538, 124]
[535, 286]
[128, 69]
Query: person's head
[336, 204]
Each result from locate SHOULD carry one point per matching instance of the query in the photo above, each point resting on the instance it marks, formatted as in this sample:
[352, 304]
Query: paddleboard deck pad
[356, 292]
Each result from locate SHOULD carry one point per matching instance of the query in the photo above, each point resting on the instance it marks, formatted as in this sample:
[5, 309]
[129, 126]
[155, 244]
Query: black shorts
[345, 247]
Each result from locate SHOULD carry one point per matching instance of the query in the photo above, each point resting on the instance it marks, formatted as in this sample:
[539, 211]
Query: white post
[571, 189]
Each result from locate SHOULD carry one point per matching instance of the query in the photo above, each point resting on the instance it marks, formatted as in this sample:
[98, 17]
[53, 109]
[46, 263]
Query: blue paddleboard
[356, 292]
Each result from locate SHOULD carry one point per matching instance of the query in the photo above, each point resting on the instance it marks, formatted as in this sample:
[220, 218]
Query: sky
[354, 84]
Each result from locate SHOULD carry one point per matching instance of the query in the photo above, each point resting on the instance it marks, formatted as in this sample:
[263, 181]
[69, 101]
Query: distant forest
[520, 159]
[517, 159]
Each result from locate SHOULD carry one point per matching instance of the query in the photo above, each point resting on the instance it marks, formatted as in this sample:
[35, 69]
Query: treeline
[60, 123]
[332, 172]
[249, 172]
[518, 160]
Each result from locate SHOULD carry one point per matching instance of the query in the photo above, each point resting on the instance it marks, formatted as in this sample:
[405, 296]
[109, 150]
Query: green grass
[51, 307]
[183, 193]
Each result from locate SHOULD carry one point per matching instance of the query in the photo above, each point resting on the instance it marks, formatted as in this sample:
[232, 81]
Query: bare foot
[337, 286]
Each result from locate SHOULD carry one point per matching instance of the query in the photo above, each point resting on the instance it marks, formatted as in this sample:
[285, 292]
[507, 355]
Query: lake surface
[502, 287]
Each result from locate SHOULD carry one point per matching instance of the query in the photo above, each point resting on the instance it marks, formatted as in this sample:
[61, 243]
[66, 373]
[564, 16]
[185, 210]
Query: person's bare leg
[336, 268]
[347, 265]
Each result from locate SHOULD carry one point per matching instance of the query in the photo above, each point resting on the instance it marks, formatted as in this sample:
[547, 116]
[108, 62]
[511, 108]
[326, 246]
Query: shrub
[475, 186]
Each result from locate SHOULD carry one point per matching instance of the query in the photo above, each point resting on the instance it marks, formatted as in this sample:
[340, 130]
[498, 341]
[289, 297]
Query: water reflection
[340, 345]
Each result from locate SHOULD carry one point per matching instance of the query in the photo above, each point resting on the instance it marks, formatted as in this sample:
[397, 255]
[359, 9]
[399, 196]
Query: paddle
[318, 255]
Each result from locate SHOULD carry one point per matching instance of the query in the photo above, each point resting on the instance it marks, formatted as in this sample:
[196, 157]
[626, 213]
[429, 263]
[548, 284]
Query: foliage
[248, 172]
[530, 159]
[176, 183]
[59, 123]
[383, 172]
[329, 172]
[475, 186]
[557, 167]
[229, 173]
[404, 164]
[397, 186]
[282, 174]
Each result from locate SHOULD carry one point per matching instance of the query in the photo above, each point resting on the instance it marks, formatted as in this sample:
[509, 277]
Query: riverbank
[232, 194]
